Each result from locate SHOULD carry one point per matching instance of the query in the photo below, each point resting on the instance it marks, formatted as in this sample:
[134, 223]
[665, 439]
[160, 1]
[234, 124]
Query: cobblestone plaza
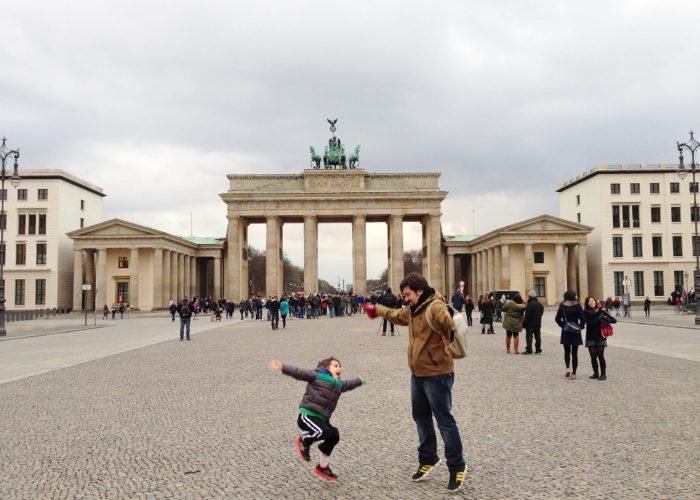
[206, 419]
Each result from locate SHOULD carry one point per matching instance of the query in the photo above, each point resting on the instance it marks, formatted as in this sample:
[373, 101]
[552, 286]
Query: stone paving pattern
[206, 419]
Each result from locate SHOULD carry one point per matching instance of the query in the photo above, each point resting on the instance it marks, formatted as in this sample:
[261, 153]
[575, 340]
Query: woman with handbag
[571, 319]
[596, 317]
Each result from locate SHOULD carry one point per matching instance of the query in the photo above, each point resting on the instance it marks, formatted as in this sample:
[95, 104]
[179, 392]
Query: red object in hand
[371, 310]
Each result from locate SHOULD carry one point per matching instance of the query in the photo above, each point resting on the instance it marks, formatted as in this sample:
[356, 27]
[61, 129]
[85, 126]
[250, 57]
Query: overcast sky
[157, 101]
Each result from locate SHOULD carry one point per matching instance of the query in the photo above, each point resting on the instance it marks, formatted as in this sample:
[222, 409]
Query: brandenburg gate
[331, 195]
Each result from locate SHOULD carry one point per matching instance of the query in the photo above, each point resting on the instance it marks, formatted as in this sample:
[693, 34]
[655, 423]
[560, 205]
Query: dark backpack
[185, 311]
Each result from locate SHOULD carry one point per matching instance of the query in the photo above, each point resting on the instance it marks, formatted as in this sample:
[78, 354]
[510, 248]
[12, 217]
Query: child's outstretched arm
[275, 365]
[353, 383]
[298, 373]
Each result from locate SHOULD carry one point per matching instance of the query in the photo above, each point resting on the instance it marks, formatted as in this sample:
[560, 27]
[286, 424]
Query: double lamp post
[15, 179]
[692, 146]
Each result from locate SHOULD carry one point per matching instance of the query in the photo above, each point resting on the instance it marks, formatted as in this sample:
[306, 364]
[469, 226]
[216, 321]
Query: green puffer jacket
[513, 316]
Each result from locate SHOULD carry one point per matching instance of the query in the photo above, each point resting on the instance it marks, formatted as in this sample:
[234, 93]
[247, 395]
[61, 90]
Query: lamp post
[685, 292]
[15, 179]
[691, 146]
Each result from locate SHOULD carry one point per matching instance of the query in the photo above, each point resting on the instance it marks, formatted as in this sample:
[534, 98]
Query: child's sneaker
[325, 472]
[424, 470]
[456, 480]
[302, 449]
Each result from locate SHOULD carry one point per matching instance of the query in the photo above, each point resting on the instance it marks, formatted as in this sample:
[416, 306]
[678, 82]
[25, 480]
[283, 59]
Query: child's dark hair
[325, 363]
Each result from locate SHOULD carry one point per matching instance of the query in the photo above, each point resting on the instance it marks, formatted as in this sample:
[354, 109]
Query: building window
[82, 204]
[42, 224]
[40, 296]
[616, 215]
[21, 224]
[3, 221]
[614, 188]
[634, 188]
[677, 246]
[656, 214]
[618, 276]
[654, 188]
[540, 286]
[43, 194]
[41, 253]
[656, 250]
[675, 214]
[22, 194]
[696, 246]
[2, 254]
[693, 187]
[21, 257]
[659, 283]
[625, 216]
[694, 213]
[123, 263]
[578, 200]
[678, 281]
[617, 246]
[675, 187]
[19, 292]
[123, 292]
[3, 194]
[630, 215]
[32, 224]
[639, 283]
[539, 257]
[82, 223]
[578, 217]
[637, 246]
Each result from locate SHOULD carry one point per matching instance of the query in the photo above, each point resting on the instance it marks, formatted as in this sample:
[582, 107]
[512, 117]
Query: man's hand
[275, 365]
[371, 311]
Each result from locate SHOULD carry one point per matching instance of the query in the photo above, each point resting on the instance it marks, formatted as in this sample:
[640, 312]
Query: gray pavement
[129, 411]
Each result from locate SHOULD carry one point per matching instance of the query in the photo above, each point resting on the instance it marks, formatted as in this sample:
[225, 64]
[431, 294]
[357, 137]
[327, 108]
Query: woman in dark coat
[595, 341]
[486, 315]
[570, 311]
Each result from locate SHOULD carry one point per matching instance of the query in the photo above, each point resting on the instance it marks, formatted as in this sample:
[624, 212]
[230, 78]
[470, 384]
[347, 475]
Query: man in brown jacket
[432, 374]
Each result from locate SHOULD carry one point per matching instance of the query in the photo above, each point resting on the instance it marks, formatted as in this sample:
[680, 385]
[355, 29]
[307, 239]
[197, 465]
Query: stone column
[479, 281]
[186, 275]
[505, 267]
[571, 275]
[77, 280]
[180, 276]
[485, 267]
[432, 242]
[497, 267]
[396, 271]
[167, 294]
[472, 271]
[272, 256]
[582, 271]
[450, 284]
[157, 278]
[101, 278]
[528, 259]
[193, 276]
[90, 277]
[134, 278]
[217, 278]
[359, 254]
[174, 294]
[492, 269]
[234, 260]
[310, 254]
[560, 269]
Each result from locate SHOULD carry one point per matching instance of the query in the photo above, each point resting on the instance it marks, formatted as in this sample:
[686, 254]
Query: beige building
[643, 224]
[45, 206]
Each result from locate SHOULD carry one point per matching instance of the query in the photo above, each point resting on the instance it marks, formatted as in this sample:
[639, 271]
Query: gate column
[359, 254]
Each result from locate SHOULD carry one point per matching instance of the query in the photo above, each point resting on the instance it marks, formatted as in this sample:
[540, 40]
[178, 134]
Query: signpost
[86, 287]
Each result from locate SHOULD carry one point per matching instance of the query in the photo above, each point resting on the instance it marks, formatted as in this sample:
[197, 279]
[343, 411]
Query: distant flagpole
[190, 224]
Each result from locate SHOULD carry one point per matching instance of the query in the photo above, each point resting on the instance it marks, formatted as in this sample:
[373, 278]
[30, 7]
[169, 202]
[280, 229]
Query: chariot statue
[334, 154]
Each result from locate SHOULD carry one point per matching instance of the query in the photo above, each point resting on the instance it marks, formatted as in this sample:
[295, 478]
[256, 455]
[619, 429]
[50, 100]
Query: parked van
[497, 294]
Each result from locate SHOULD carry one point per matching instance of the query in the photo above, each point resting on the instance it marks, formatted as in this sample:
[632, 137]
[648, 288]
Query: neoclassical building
[127, 262]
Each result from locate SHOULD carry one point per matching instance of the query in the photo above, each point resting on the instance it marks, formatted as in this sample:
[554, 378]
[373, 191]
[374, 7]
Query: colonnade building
[127, 262]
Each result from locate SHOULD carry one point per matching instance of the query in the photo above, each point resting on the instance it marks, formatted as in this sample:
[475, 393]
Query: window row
[23, 194]
[39, 292]
[656, 246]
[623, 284]
[628, 215]
[21, 254]
[654, 188]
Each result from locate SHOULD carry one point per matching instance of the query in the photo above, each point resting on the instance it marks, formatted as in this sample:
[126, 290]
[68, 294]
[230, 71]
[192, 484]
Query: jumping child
[317, 405]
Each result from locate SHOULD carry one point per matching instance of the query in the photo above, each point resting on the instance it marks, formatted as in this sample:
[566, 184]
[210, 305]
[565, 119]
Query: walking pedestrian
[571, 320]
[532, 322]
[487, 306]
[595, 341]
[105, 312]
[388, 299]
[432, 375]
[173, 310]
[114, 309]
[284, 311]
[647, 307]
[469, 308]
[273, 308]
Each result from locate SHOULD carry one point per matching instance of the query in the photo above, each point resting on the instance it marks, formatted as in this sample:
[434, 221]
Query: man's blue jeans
[432, 396]
[184, 325]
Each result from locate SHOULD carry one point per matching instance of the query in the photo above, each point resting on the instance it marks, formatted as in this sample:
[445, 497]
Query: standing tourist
[185, 317]
[647, 307]
[273, 308]
[595, 341]
[532, 322]
[432, 375]
[469, 308]
[284, 311]
[487, 307]
[513, 321]
[571, 319]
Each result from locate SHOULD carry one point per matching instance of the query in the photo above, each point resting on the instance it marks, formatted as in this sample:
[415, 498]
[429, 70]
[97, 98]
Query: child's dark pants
[315, 429]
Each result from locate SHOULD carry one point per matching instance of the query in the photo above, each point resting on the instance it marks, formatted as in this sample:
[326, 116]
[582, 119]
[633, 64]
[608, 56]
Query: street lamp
[15, 179]
[692, 145]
